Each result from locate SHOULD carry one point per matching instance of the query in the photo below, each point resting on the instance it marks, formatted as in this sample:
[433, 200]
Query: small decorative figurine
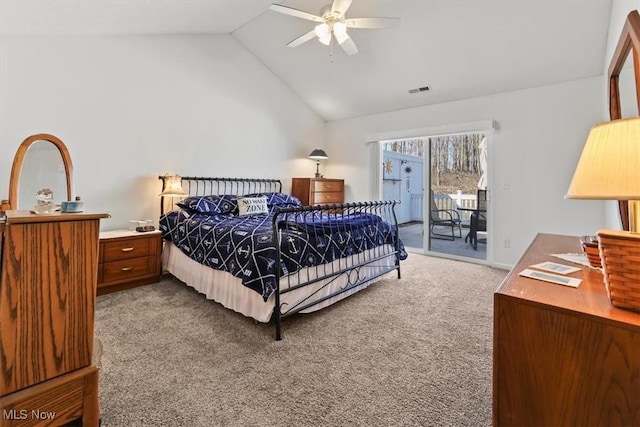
[44, 202]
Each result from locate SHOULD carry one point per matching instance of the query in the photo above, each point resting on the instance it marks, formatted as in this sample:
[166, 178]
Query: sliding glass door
[457, 191]
[441, 184]
[403, 179]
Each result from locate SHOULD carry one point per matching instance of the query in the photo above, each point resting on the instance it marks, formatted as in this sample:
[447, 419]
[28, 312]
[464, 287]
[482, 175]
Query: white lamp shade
[340, 32]
[339, 29]
[325, 40]
[609, 167]
[322, 30]
[172, 186]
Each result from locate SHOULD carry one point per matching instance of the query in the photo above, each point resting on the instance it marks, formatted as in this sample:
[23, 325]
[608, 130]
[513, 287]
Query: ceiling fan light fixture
[326, 39]
[331, 22]
[339, 29]
[322, 30]
[340, 32]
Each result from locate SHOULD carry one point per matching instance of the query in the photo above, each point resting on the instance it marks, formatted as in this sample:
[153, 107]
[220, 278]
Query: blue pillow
[278, 199]
[215, 204]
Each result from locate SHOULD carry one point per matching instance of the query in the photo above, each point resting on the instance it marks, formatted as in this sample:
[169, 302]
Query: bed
[248, 246]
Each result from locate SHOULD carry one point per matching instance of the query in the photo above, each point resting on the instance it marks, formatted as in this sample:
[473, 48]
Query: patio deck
[411, 236]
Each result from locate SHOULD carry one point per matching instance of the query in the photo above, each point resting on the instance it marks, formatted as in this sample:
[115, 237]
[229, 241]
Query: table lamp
[318, 154]
[171, 187]
[609, 169]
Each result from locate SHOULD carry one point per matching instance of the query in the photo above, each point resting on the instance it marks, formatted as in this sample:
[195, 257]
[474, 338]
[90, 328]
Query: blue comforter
[244, 247]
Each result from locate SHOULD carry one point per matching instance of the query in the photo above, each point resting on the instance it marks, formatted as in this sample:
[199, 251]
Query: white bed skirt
[229, 291]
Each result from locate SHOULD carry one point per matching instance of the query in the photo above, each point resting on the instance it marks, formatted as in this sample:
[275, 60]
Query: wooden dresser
[563, 356]
[47, 302]
[318, 191]
[128, 259]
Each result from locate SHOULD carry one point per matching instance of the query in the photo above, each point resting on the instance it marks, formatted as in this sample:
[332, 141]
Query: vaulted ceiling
[459, 48]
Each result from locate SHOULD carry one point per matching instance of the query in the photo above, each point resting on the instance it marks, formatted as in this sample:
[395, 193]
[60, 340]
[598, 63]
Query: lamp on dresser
[317, 155]
[609, 169]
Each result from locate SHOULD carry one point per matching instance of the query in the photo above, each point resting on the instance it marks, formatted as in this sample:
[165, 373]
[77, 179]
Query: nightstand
[318, 191]
[128, 259]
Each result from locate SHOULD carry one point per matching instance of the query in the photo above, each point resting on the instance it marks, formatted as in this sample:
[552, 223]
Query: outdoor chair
[444, 218]
[478, 220]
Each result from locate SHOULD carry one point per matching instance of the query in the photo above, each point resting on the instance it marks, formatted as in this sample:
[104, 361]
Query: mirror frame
[18, 160]
[629, 42]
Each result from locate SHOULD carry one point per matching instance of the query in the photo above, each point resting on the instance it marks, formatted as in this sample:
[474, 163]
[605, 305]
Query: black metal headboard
[202, 186]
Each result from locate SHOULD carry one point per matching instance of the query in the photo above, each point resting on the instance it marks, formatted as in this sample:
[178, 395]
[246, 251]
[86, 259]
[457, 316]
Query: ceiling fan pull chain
[331, 50]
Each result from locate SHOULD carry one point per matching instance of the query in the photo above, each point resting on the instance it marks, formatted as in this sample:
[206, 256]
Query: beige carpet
[409, 352]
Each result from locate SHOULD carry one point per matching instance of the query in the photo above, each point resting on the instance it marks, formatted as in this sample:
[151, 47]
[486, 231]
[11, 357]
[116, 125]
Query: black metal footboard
[341, 275]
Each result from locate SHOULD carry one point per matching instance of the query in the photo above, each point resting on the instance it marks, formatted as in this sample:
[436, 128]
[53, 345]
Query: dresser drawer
[322, 198]
[318, 191]
[125, 249]
[327, 185]
[127, 269]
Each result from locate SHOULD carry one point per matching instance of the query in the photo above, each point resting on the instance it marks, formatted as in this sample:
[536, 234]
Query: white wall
[619, 11]
[539, 137]
[132, 108]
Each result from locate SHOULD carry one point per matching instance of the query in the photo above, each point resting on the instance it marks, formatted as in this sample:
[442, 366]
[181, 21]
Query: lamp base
[619, 253]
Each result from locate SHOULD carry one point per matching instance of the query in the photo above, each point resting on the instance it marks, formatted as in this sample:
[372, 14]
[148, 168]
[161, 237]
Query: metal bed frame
[355, 275]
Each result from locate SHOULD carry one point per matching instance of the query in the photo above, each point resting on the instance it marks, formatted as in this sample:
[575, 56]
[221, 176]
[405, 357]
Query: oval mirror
[624, 83]
[42, 161]
[627, 90]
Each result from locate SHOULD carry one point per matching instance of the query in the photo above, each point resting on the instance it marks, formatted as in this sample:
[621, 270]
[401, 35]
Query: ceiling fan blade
[372, 22]
[302, 39]
[295, 12]
[340, 6]
[349, 46]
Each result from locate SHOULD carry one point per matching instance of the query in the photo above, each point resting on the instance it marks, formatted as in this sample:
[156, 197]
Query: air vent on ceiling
[420, 89]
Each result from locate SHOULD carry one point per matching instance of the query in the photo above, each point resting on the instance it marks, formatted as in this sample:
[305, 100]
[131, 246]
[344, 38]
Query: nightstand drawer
[128, 259]
[125, 249]
[127, 269]
[328, 185]
[322, 198]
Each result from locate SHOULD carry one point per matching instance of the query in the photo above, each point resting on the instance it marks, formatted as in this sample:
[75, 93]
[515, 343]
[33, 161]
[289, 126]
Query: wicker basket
[591, 250]
[620, 255]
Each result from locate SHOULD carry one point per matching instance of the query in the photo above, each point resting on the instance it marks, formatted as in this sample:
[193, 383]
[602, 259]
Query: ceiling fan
[332, 23]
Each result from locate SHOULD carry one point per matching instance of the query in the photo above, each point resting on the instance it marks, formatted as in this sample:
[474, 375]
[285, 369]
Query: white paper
[574, 258]
[552, 278]
[556, 268]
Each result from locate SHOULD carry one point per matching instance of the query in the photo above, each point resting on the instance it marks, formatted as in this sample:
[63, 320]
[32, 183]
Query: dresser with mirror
[48, 274]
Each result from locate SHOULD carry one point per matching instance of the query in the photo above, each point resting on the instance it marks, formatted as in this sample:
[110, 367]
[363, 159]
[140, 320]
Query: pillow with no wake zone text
[278, 199]
[252, 205]
[213, 204]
